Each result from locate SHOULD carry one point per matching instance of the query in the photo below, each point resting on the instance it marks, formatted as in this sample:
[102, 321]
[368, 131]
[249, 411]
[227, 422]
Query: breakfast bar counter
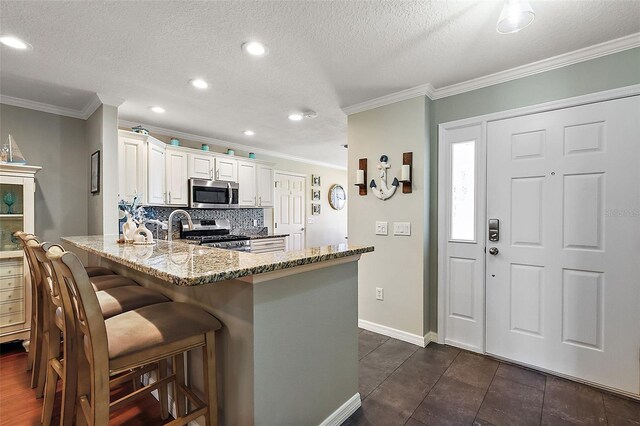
[288, 350]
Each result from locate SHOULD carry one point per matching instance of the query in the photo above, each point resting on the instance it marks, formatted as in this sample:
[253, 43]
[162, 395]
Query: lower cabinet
[268, 245]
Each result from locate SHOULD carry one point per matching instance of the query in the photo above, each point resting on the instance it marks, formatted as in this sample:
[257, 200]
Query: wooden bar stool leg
[83, 388]
[70, 382]
[53, 353]
[41, 357]
[178, 394]
[210, 379]
[163, 395]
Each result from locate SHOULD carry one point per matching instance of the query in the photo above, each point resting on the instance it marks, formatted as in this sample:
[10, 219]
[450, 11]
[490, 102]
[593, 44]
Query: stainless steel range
[214, 233]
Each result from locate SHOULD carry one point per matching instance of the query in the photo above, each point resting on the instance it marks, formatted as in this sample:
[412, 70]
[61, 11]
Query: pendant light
[516, 15]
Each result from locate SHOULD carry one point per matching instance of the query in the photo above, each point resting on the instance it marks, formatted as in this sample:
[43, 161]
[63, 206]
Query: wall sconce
[361, 176]
[406, 174]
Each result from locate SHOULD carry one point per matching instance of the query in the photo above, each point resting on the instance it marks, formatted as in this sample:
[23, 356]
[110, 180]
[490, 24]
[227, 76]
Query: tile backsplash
[239, 218]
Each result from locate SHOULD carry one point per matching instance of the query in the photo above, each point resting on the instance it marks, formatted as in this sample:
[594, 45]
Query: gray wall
[596, 75]
[399, 263]
[57, 144]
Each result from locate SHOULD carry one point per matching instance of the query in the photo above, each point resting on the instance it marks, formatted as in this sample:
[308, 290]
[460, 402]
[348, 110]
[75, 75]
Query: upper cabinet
[132, 167]
[226, 169]
[247, 193]
[156, 193]
[265, 186]
[177, 177]
[201, 166]
[160, 173]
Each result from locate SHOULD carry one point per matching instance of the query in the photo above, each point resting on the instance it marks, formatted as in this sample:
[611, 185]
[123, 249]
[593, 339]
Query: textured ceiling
[323, 56]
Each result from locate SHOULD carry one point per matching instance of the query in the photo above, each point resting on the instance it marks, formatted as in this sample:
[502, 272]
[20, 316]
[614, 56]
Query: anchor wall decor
[384, 193]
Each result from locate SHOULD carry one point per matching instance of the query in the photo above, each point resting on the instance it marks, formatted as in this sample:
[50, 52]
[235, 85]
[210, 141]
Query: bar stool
[133, 340]
[38, 352]
[35, 333]
[112, 302]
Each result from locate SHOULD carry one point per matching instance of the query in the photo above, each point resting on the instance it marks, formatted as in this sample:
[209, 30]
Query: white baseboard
[415, 339]
[344, 412]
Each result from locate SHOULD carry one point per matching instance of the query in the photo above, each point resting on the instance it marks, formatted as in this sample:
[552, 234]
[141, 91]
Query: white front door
[563, 289]
[289, 214]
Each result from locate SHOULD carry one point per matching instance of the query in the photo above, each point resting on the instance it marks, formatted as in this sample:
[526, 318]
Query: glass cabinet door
[11, 218]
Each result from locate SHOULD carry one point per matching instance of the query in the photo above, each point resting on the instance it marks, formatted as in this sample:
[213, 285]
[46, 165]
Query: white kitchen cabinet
[247, 194]
[268, 245]
[15, 283]
[132, 166]
[201, 166]
[226, 169]
[177, 177]
[156, 164]
[264, 186]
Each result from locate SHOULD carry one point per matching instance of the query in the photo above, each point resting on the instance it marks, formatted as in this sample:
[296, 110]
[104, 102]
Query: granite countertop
[188, 264]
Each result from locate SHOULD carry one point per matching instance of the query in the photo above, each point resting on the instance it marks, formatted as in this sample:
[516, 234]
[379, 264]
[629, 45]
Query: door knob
[302, 229]
[493, 251]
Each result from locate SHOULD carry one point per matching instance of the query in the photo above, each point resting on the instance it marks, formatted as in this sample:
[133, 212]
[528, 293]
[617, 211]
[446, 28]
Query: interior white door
[177, 178]
[289, 214]
[156, 193]
[563, 292]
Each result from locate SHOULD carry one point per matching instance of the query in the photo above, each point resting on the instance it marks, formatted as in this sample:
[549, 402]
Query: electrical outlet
[255, 222]
[402, 228]
[379, 293]
[381, 228]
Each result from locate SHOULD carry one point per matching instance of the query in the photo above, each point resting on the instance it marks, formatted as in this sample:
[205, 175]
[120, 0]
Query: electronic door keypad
[494, 230]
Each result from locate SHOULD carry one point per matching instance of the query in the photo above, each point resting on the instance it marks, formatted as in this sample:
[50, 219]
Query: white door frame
[443, 170]
[304, 199]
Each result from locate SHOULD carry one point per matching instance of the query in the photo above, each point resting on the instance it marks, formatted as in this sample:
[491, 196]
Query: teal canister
[175, 141]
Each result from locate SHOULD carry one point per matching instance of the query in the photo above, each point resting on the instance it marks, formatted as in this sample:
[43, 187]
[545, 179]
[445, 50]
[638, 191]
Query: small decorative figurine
[9, 199]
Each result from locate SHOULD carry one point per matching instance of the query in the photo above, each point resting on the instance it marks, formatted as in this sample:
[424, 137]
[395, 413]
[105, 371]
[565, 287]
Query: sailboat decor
[384, 193]
[10, 153]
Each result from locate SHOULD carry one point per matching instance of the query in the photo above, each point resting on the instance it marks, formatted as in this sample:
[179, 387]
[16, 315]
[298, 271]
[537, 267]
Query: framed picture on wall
[315, 180]
[315, 195]
[95, 172]
[315, 209]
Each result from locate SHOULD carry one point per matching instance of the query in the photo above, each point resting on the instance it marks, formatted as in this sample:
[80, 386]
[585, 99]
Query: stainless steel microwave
[211, 194]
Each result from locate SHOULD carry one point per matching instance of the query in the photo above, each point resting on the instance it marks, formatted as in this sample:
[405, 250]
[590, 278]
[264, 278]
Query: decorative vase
[143, 235]
[9, 199]
[175, 141]
[129, 229]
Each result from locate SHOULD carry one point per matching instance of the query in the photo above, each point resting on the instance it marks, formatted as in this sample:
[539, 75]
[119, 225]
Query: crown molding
[226, 144]
[94, 103]
[422, 90]
[40, 106]
[592, 52]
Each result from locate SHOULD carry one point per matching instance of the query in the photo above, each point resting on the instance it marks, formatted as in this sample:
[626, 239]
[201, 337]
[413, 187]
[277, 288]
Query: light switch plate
[381, 228]
[402, 228]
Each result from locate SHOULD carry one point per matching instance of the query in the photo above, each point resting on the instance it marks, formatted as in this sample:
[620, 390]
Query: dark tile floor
[401, 384]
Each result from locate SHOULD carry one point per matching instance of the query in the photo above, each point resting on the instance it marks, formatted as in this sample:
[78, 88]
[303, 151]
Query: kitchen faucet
[170, 222]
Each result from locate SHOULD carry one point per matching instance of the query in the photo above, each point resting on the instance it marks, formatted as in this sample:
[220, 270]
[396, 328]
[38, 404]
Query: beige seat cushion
[154, 328]
[105, 282]
[117, 300]
[96, 271]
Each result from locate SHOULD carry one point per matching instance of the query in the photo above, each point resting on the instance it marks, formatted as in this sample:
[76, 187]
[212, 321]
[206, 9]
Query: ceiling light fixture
[14, 42]
[515, 15]
[157, 109]
[199, 83]
[255, 48]
[295, 117]
[249, 132]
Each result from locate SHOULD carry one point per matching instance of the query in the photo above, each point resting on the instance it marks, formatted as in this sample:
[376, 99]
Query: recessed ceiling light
[515, 15]
[14, 42]
[157, 109]
[255, 48]
[295, 117]
[199, 83]
[249, 132]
